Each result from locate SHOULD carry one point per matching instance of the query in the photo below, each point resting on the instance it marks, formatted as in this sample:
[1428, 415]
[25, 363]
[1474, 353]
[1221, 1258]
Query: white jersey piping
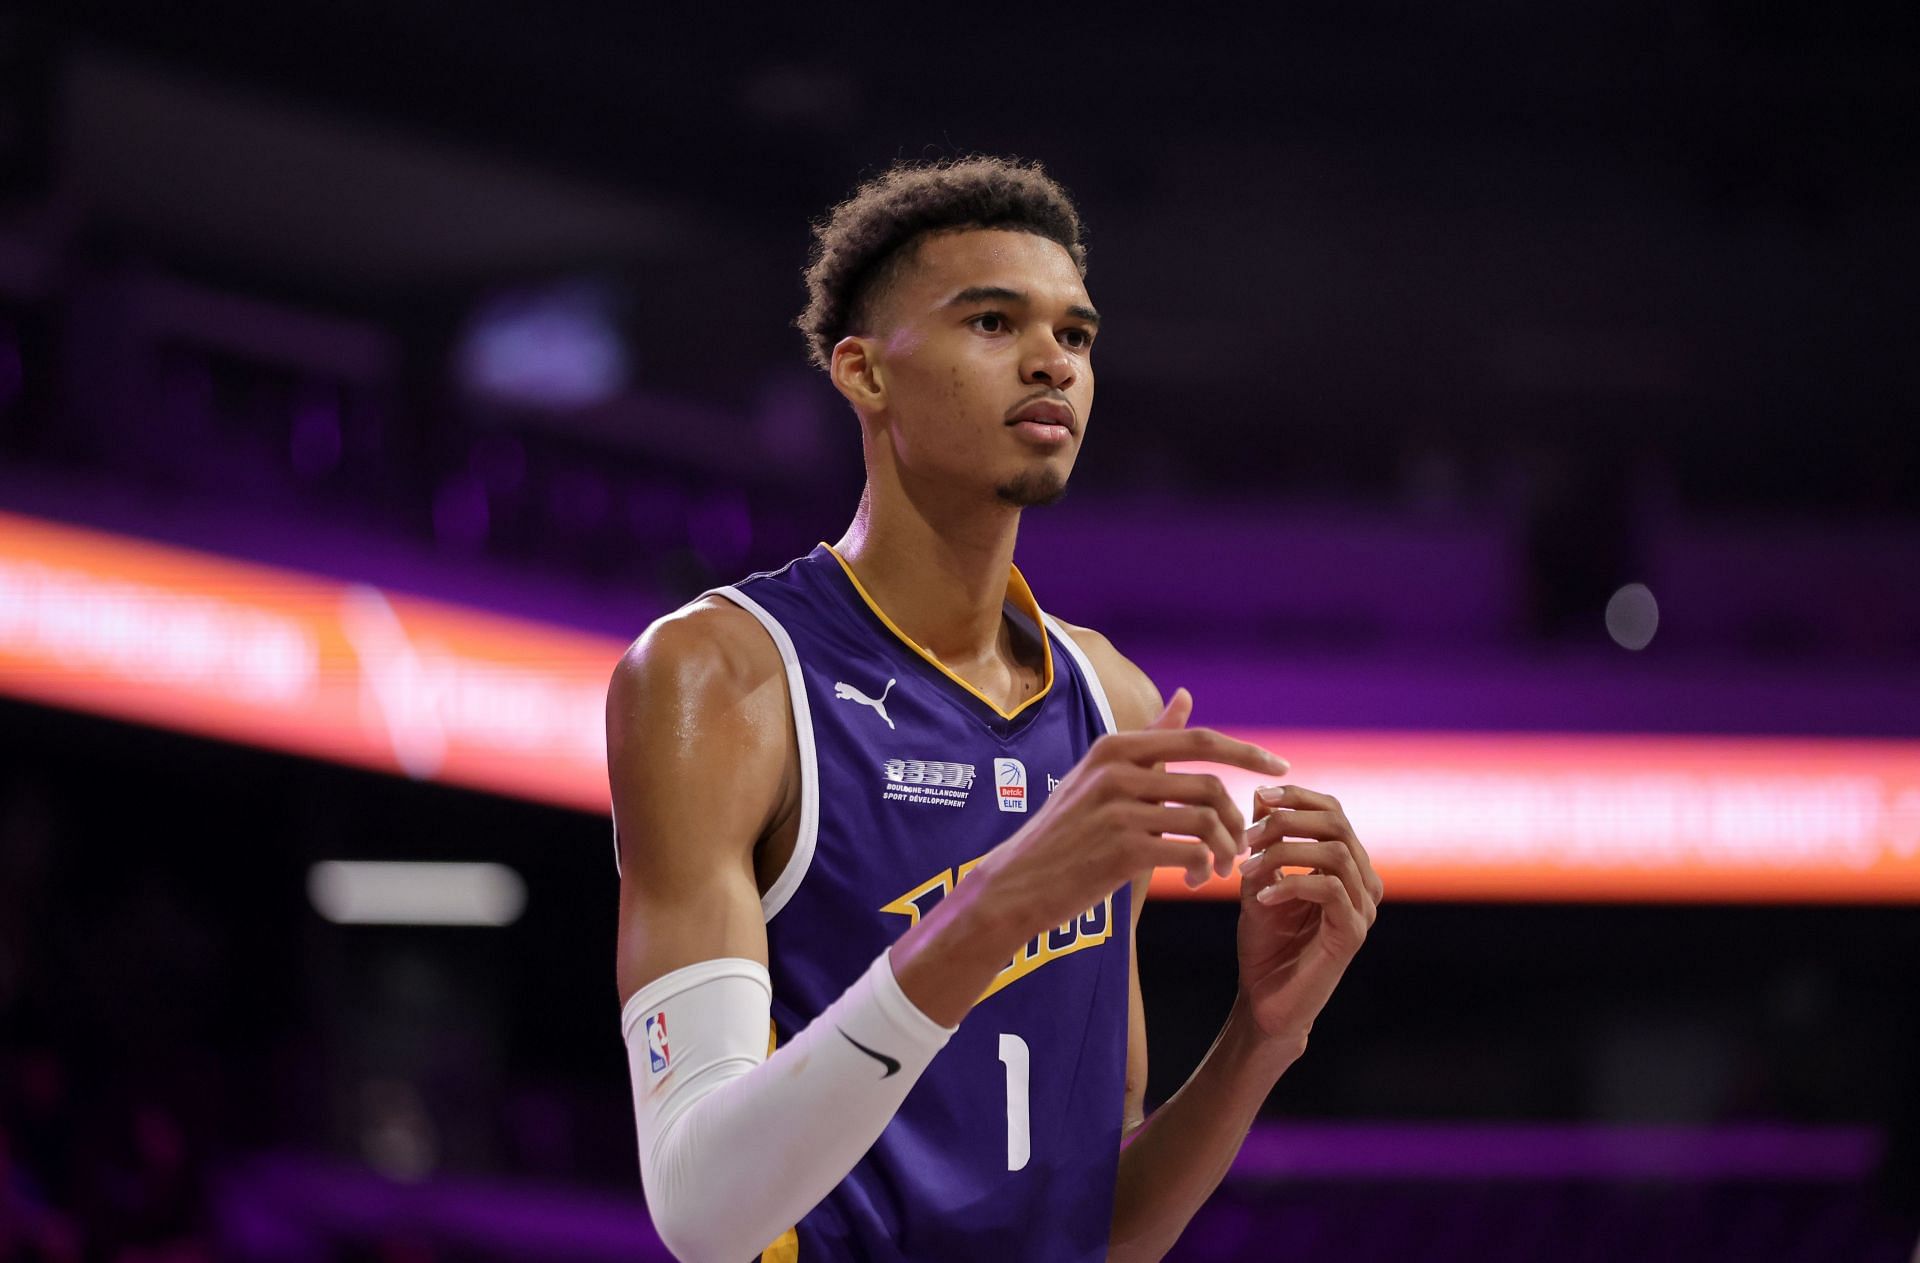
[809, 835]
[1087, 672]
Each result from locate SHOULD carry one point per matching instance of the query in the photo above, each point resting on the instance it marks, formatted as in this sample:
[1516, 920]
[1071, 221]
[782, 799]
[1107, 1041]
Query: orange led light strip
[1605, 818]
[288, 661]
[351, 673]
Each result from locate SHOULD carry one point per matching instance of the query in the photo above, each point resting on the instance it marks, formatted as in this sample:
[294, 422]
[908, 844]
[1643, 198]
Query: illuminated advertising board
[356, 674]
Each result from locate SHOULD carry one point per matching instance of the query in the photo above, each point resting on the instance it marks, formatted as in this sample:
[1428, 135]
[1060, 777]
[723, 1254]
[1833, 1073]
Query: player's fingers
[1198, 788]
[1195, 745]
[1331, 858]
[1176, 712]
[1329, 892]
[1277, 824]
[1196, 822]
[1171, 851]
[1269, 797]
[1286, 853]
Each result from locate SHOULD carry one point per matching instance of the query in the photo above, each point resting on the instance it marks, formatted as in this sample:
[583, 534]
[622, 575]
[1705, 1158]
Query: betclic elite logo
[1010, 781]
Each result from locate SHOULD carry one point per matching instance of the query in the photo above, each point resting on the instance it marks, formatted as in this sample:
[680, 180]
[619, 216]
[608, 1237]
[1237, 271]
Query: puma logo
[849, 693]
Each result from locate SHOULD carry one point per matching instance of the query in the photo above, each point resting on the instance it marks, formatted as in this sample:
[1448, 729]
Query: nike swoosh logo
[893, 1067]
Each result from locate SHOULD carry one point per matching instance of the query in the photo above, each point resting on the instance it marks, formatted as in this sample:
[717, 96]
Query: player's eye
[990, 322]
[1076, 339]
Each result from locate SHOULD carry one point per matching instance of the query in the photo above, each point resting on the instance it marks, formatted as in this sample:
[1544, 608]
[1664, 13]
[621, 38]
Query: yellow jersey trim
[785, 1250]
[1017, 591]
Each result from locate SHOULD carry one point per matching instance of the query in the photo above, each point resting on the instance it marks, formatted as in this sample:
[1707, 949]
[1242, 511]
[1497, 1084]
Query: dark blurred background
[491, 303]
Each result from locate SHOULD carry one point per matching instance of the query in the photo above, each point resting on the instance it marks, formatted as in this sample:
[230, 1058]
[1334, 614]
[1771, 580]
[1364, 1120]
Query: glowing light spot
[1633, 616]
[390, 892]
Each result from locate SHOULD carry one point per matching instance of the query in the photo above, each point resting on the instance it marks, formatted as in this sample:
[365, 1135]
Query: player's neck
[939, 570]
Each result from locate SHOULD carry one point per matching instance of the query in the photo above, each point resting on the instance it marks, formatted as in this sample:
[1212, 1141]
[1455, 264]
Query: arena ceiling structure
[1606, 231]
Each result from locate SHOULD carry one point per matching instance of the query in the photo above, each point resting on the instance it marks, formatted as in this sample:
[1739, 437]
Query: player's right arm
[701, 763]
[700, 759]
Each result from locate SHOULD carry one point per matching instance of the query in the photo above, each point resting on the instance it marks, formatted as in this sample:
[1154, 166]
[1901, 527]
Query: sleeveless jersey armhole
[1087, 672]
[809, 832]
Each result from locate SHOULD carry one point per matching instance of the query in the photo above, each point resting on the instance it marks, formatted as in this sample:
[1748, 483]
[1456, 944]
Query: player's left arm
[1294, 945]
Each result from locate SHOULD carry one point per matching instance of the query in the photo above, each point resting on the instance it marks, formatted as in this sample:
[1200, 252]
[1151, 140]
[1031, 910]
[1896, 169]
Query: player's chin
[1036, 486]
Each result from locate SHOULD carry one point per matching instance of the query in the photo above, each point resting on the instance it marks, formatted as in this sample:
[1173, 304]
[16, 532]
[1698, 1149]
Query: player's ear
[857, 373]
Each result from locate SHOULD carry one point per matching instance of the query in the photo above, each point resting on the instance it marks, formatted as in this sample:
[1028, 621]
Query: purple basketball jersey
[1008, 1146]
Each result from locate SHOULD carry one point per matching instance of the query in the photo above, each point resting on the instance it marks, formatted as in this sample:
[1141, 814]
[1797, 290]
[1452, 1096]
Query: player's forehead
[951, 263]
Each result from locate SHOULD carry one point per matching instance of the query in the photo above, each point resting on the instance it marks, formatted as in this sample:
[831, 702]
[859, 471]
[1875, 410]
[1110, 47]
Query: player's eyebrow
[1001, 294]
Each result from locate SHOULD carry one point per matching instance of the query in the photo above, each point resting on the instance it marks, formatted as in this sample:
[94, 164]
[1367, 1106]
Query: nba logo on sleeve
[657, 1041]
[1010, 779]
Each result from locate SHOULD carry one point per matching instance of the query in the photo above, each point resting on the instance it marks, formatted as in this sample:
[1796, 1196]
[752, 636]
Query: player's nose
[1043, 359]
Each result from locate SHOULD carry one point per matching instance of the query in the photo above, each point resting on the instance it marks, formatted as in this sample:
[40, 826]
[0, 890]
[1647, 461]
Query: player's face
[985, 357]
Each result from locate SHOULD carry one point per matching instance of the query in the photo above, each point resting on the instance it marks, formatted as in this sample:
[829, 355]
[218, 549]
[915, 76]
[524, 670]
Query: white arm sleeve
[736, 1145]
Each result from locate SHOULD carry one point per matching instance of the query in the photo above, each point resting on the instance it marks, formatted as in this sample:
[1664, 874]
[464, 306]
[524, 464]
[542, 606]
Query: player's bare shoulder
[699, 721]
[709, 650]
[1131, 693]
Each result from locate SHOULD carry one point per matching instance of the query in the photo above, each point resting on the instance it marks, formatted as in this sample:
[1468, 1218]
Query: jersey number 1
[1013, 1054]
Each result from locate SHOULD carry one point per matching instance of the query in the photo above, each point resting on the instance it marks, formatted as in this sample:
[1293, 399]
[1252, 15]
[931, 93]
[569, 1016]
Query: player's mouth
[1044, 421]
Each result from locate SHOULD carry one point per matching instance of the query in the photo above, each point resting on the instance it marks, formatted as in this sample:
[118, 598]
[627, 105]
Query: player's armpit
[700, 760]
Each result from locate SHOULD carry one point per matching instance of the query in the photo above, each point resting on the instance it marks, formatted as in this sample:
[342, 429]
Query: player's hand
[1118, 814]
[1299, 931]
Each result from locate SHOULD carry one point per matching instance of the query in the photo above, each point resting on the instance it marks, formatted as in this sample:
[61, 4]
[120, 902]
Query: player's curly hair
[863, 243]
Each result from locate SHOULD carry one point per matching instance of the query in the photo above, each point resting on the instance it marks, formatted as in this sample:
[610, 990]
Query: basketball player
[885, 826]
